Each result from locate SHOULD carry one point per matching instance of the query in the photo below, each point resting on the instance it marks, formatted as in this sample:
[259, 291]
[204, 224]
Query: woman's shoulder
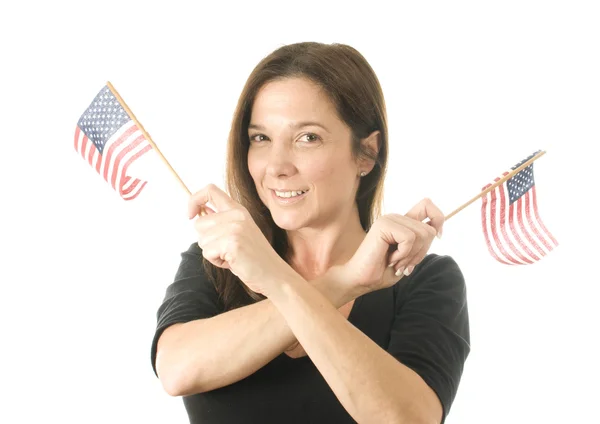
[435, 274]
[433, 262]
[190, 273]
[190, 263]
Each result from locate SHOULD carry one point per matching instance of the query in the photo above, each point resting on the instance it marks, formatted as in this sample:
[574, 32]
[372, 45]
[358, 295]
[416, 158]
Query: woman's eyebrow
[296, 125]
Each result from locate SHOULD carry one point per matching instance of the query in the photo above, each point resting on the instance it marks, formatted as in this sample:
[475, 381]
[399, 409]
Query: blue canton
[519, 183]
[103, 118]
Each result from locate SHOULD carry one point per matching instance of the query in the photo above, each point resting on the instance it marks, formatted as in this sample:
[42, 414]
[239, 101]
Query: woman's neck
[313, 251]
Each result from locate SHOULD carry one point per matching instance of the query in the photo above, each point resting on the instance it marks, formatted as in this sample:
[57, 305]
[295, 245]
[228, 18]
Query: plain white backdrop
[471, 89]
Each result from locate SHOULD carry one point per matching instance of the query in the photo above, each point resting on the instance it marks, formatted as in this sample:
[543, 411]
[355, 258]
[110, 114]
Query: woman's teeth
[289, 193]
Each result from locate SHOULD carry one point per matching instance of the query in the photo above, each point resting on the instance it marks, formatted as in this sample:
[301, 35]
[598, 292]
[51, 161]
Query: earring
[362, 174]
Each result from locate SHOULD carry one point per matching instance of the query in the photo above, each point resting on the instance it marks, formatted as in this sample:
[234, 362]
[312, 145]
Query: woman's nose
[280, 159]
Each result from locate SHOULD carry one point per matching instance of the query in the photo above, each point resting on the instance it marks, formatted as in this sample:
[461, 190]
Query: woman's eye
[311, 137]
[257, 137]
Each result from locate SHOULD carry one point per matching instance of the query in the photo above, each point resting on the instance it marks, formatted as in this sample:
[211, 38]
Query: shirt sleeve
[430, 332]
[191, 296]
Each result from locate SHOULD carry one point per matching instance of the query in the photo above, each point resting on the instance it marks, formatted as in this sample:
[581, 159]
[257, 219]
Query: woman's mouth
[288, 197]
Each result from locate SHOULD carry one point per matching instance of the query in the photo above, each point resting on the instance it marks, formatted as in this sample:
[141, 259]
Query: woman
[299, 303]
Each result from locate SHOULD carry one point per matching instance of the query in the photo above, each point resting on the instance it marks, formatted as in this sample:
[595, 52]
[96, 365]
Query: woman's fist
[394, 245]
[229, 238]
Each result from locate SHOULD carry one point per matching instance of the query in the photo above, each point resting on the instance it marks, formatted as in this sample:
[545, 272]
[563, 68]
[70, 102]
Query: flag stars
[103, 118]
[520, 183]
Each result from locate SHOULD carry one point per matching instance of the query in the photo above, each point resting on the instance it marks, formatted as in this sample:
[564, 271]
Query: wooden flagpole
[496, 184]
[147, 136]
[154, 146]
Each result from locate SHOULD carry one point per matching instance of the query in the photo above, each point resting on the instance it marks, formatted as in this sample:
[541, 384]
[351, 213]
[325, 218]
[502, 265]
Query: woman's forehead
[293, 100]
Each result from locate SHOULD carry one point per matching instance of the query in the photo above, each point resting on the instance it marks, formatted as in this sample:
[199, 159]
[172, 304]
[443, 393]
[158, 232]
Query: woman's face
[298, 143]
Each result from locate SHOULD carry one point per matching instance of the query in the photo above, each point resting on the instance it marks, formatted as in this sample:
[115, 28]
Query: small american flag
[513, 230]
[110, 141]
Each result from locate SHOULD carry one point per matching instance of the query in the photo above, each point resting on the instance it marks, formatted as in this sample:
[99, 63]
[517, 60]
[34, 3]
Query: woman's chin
[287, 221]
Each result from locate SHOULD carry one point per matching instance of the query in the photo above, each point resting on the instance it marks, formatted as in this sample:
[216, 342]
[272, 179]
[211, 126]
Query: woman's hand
[229, 238]
[401, 241]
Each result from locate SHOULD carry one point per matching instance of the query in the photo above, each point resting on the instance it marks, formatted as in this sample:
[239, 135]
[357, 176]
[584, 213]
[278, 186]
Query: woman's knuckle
[243, 214]
[233, 244]
[430, 230]
[236, 227]
[404, 247]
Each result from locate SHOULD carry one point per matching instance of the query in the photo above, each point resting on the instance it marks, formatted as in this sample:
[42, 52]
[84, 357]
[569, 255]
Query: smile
[288, 198]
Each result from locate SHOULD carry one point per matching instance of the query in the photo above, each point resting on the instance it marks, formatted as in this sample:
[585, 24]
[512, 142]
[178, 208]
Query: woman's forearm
[371, 384]
[206, 354]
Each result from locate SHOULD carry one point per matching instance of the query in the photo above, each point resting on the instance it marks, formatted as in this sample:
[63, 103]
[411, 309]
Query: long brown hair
[346, 76]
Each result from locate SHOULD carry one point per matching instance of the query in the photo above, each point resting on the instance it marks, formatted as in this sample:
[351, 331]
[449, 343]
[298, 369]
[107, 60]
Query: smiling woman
[300, 302]
[304, 146]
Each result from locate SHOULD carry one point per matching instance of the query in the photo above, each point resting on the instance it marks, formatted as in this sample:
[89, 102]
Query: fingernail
[400, 271]
[408, 270]
[392, 264]
[439, 234]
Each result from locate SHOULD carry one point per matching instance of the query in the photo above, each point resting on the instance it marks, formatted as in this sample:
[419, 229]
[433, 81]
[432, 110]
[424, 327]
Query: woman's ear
[371, 143]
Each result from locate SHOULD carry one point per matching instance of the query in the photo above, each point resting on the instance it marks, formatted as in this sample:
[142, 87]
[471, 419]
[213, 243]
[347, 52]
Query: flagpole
[496, 184]
[154, 146]
[147, 136]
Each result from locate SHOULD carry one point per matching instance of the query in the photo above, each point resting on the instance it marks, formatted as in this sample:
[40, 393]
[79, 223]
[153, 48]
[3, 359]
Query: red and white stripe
[514, 234]
[125, 146]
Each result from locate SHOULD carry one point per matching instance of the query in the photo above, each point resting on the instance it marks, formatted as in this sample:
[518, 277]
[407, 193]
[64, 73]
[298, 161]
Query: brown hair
[345, 75]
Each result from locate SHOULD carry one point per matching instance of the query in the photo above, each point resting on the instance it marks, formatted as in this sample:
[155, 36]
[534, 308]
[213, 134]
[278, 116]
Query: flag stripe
[528, 207]
[509, 242]
[486, 232]
[138, 190]
[92, 152]
[129, 152]
[128, 184]
[496, 215]
[539, 220]
[119, 159]
[114, 145]
[526, 233]
[77, 131]
[520, 236]
[144, 147]
[84, 146]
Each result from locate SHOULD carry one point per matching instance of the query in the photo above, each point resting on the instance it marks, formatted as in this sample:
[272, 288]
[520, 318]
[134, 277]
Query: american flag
[513, 230]
[110, 141]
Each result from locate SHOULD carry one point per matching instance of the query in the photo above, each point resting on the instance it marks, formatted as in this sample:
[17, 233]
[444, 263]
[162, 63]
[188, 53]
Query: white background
[471, 89]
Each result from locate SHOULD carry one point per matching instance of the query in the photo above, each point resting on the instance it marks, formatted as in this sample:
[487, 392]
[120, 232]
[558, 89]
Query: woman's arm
[372, 385]
[206, 354]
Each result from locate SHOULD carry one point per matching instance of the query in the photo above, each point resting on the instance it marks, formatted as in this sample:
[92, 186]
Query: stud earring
[362, 174]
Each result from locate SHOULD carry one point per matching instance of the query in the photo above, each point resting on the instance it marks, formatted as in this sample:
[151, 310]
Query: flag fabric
[110, 141]
[512, 227]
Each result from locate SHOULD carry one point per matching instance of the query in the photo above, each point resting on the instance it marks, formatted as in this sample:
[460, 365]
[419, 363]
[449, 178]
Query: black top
[422, 321]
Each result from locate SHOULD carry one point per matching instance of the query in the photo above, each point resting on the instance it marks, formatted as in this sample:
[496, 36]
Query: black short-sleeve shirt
[422, 321]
